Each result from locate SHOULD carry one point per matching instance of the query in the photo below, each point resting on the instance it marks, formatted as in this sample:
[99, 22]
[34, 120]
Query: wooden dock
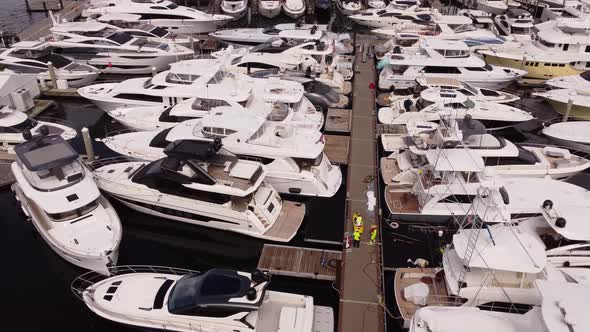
[361, 294]
[336, 148]
[51, 92]
[46, 5]
[40, 106]
[300, 262]
[6, 177]
[39, 30]
[338, 120]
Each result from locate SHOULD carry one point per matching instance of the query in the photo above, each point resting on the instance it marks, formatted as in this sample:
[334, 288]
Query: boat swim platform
[300, 262]
[361, 294]
[337, 148]
[53, 92]
[338, 120]
[70, 11]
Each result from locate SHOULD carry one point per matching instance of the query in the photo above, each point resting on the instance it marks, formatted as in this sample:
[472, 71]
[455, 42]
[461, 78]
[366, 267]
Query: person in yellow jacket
[356, 237]
[373, 234]
[357, 223]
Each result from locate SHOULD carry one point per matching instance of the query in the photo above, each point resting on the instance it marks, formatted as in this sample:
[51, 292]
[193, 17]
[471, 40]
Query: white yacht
[579, 82]
[33, 57]
[349, 7]
[559, 49]
[494, 7]
[408, 152]
[94, 28]
[436, 58]
[436, 105]
[269, 8]
[293, 157]
[575, 134]
[479, 18]
[448, 27]
[13, 125]
[58, 194]
[200, 184]
[516, 23]
[560, 98]
[161, 13]
[131, 24]
[376, 4]
[255, 36]
[560, 308]
[234, 8]
[293, 8]
[450, 85]
[217, 300]
[117, 52]
[391, 16]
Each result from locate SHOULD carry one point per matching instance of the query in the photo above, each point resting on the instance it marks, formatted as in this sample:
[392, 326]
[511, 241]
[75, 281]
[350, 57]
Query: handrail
[83, 281]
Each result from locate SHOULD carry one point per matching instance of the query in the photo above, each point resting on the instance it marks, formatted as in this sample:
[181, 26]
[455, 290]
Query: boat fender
[27, 134]
[251, 294]
[567, 264]
[547, 204]
[560, 222]
[44, 131]
[259, 276]
[407, 104]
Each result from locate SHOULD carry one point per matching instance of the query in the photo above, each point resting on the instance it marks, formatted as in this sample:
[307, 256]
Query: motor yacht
[117, 52]
[574, 134]
[349, 7]
[558, 50]
[436, 58]
[293, 156]
[13, 125]
[494, 7]
[391, 16]
[479, 18]
[516, 23]
[291, 32]
[293, 8]
[161, 13]
[198, 183]
[58, 194]
[234, 8]
[33, 58]
[376, 4]
[448, 85]
[433, 105]
[269, 8]
[408, 152]
[131, 24]
[559, 304]
[216, 300]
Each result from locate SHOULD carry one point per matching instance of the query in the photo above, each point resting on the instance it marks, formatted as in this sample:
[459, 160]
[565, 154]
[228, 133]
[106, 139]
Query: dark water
[14, 16]
[35, 281]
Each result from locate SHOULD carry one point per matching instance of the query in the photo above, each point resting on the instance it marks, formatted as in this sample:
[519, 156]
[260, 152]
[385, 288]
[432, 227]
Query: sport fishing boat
[436, 58]
[33, 58]
[160, 13]
[200, 184]
[58, 194]
[216, 300]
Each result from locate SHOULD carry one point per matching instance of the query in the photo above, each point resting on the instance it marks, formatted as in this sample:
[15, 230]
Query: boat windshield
[160, 32]
[585, 75]
[199, 290]
[120, 37]
[458, 28]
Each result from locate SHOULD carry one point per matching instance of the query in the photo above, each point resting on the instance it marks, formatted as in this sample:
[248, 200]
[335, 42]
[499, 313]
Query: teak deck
[437, 289]
[299, 262]
[286, 226]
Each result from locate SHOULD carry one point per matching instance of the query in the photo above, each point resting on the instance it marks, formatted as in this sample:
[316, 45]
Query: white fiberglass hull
[188, 26]
[269, 9]
[235, 9]
[94, 261]
[294, 8]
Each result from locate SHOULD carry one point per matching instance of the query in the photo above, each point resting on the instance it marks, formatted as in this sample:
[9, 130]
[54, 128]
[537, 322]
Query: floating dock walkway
[361, 296]
[70, 12]
[300, 262]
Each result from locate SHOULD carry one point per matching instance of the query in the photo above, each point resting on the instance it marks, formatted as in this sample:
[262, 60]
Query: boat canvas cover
[564, 306]
[45, 153]
[455, 160]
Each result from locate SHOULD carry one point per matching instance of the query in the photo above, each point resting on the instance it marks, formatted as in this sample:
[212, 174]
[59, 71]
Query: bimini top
[44, 153]
[217, 287]
[455, 160]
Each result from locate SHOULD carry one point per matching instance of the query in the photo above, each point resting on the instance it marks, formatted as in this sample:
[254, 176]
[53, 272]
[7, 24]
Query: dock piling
[52, 75]
[28, 6]
[568, 110]
[88, 144]
[45, 9]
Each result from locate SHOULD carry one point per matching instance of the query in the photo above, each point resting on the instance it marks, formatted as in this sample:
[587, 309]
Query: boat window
[271, 31]
[441, 70]
[120, 37]
[157, 7]
[461, 199]
[424, 17]
[214, 132]
[172, 5]
[33, 64]
[585, 75]
[257, 65]
[160, 32]
[140, 33]
[381, 12]
[279, 112]
[68, 215]
[166, 117]
[467, 92]
[475, 68]
[421, 104]
[521, 31]
[458, 28]
[164, 17]
[207, 104]
[159, 141]
[489, 93]
[548, 44]
[139, 97]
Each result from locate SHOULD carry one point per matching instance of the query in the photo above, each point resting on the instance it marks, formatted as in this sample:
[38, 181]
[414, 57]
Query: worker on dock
[373, 234]
[356, 237]
[357, 223]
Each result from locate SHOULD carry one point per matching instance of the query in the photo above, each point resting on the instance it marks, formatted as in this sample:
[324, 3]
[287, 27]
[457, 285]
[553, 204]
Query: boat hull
[535, 70]
[269, 9]
[577, 112]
